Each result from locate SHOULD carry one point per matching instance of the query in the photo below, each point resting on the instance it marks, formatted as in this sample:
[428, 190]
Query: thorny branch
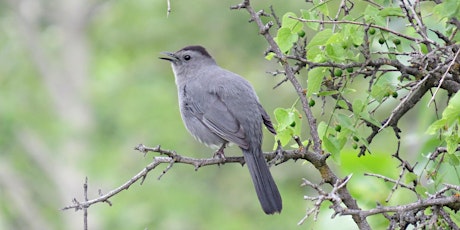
[171, 158]
[400, 215]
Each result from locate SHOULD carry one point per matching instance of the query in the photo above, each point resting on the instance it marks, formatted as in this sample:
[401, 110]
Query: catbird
[218, 107]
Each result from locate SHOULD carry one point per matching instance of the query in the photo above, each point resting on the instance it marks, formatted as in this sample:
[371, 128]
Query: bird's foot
[220, 152]
[279, 155]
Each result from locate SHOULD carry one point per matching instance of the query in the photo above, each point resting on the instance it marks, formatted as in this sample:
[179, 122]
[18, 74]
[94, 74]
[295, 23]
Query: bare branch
[361, 24]
[172, 158]
[402, 209]
[454, 60]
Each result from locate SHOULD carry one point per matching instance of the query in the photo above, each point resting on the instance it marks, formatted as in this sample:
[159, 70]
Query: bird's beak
[171, 57]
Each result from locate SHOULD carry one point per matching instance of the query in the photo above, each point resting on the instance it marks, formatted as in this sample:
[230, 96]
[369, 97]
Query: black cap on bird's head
[176, 56]
[199, 49]
[189, 57]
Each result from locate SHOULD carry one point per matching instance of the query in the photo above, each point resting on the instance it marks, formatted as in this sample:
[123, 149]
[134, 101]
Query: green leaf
[450, 115]
[349, 90]
[358, 107]
[356, 34]
[367, 117]
[342, 104]
[322, 128]
[336, 52]
[343, 136]
[315, 54]
[421, 190]
[452, 111]
[286, 39]
[320, 39]
[423, 48]
[435, 126]
[447, 9]
[453, 160]
[290, 23]
[270, 56]
[331, 145]
[310, 15]
[284, 137]
[452, 143]
[284, 118]
[410, 177]
[345, 121]
[383, 87]
[328, 93]
[391, 11]
[322, 7]
[314, 80]
[371, 15]
[287, 124]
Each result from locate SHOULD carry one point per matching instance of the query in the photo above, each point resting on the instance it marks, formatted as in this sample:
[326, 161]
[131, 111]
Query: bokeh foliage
[130, 97]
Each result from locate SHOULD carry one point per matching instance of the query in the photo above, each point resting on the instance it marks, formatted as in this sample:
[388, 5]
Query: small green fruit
[397, 41]
[350, 69]
[382, 40]
[371, 31]
[355, 138]
[311, 103]
[338, 72]
[394, 94]
[355, 146]
[338, 128]
[292, 124]
[301, 33]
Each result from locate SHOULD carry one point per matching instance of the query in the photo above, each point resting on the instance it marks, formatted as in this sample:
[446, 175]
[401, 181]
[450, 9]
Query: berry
[355, 138]
[371, 31]
[301, 33]
[338, 72]
[338, 128]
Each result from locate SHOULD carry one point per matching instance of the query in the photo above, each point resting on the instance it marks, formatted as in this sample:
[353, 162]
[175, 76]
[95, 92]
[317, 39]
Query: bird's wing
[266, 118]
[221, 121]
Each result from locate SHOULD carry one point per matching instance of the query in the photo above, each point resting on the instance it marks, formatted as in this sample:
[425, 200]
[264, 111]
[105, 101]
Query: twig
[333, 196]
[104, 198]
[418, 205]
[172, 158]
[397, 182]
[454, 60]
[168, 10]
[360, 24]
[85, 210]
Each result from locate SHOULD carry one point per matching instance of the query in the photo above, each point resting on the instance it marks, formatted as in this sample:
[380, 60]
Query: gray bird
[218, 107]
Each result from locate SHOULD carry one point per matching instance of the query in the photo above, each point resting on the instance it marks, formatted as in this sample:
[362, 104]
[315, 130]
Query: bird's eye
[187, 57]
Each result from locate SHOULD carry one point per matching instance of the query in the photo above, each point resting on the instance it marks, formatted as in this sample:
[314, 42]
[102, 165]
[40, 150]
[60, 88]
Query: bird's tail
[267, 192]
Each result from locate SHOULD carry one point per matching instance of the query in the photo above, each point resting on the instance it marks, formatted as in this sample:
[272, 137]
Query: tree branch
[171, 158]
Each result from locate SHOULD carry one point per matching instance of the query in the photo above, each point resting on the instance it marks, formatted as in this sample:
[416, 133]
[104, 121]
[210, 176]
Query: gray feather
[217, 107]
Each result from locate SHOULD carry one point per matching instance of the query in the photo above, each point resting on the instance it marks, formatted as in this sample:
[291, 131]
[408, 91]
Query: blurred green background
[81, 85]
